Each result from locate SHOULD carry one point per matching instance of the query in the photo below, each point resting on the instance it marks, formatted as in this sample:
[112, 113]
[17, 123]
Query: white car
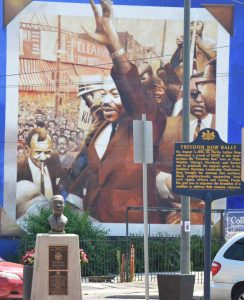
[228, 270]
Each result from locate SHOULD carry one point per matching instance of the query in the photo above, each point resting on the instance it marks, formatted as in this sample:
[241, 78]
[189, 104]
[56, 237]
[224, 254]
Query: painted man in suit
[41, 167]
[208, 86]
[115, 182]
[63, 149]
[204, 50]
[202, 89]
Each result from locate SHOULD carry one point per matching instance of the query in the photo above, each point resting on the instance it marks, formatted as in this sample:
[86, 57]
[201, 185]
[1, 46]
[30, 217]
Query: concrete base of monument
[57, 272]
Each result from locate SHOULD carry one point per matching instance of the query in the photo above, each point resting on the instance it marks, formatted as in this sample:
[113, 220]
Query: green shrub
[93, 238]
[79, 224]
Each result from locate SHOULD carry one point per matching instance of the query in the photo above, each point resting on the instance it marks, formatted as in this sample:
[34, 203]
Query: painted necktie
[114, 127]
[42, 180]
[198, 127]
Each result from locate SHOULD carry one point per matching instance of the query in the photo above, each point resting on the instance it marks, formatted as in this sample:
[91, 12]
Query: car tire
[239, 294]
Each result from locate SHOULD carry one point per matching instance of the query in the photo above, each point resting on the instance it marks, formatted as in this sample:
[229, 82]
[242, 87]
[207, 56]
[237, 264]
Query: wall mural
[82, 80]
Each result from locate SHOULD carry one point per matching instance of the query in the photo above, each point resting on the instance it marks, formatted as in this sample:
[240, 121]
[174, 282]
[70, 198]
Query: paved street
[127, 290]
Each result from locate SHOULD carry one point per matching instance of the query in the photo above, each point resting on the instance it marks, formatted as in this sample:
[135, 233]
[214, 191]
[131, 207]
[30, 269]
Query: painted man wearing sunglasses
[202, 103]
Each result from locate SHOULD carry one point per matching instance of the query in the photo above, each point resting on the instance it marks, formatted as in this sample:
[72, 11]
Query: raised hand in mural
[107, 35]
[105, 32]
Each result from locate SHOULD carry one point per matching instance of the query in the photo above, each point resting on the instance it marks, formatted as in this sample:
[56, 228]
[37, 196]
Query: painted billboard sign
[68, 135]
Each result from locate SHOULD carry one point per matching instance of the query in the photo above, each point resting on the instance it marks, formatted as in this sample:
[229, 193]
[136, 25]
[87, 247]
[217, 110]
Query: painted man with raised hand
[115, 182]
[204, 49]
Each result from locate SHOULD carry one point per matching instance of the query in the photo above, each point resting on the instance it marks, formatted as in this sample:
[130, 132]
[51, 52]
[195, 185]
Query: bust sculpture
[57, 220]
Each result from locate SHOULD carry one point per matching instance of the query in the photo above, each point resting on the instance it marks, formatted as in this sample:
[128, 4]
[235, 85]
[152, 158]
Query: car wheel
[239, 294]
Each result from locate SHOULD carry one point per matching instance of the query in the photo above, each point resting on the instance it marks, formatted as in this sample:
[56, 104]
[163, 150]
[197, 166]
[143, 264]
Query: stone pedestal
[57, 273]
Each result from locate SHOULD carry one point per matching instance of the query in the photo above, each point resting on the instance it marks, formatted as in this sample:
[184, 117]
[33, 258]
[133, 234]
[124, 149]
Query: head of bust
[57, 204]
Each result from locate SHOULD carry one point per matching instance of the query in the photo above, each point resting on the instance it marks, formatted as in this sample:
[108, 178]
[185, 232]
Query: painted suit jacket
[114, 181]
[172, 135]
[54, 168]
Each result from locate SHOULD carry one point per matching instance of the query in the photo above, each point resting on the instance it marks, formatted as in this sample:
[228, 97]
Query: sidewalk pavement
[127, 290]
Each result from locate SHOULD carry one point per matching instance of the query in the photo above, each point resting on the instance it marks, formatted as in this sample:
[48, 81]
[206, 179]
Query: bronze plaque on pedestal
[58, 270]
[58, 257]
[58, 283]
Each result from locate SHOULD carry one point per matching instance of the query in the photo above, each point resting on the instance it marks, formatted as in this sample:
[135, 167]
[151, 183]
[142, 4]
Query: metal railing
[107, 260]
[121, 259]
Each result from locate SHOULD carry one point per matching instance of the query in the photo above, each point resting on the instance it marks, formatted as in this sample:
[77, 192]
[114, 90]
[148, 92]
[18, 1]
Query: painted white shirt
[177, 107]
[102, 141]
[205, 123]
